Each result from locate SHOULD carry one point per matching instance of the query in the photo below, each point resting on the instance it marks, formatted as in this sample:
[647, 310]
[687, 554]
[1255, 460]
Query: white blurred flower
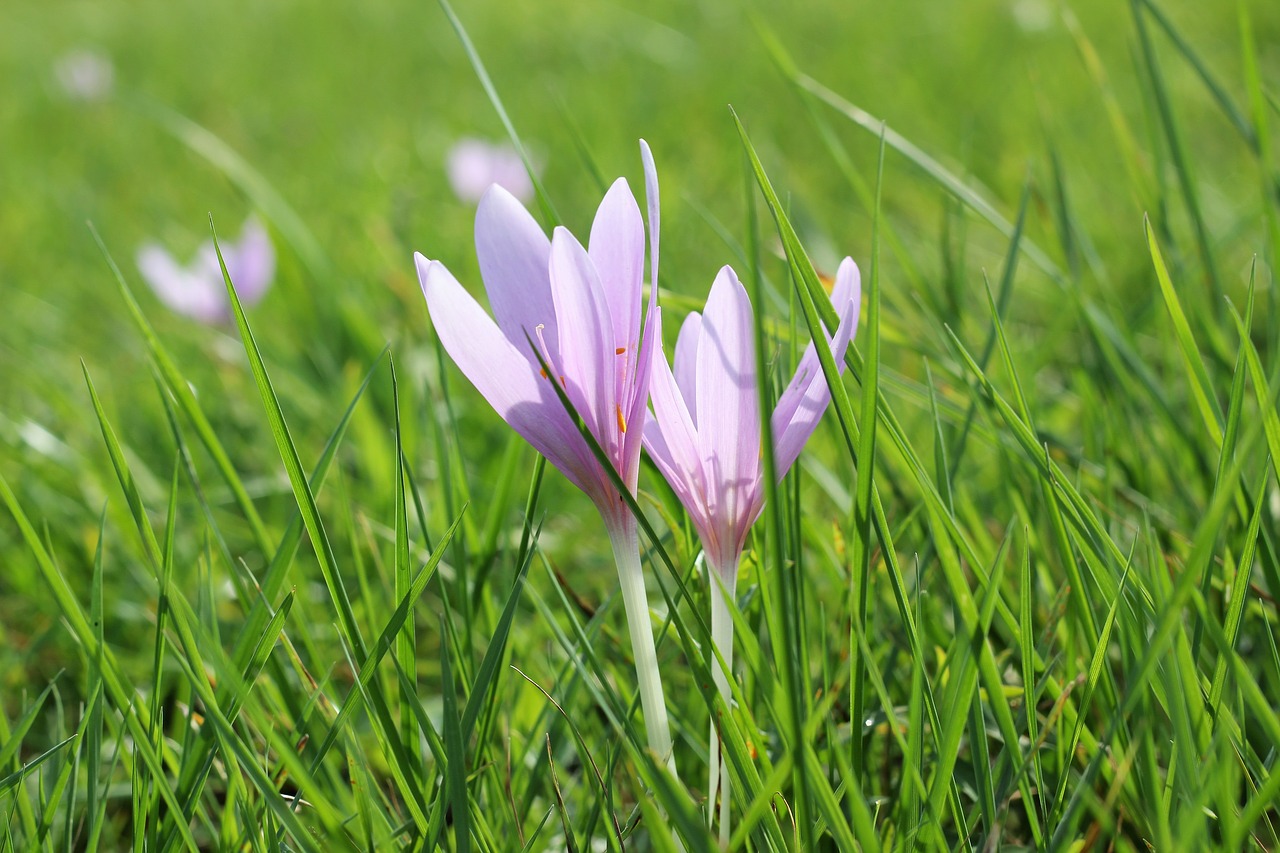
[1033, 16]
[474, 165]
[197, 290]
[85, 75]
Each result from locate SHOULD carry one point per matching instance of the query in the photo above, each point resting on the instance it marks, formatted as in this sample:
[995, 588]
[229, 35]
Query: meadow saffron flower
[581, 308]
[197, 290]
[474, 165]
[704, 436]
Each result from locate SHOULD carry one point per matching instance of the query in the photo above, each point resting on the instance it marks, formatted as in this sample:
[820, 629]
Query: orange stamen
[619, 350]
[622, 422]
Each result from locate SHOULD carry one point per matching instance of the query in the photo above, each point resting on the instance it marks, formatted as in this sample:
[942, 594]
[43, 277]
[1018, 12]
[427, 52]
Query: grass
[285, 585]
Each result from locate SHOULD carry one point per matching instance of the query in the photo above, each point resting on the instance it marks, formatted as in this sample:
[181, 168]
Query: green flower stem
[723, 582]
[626, 551]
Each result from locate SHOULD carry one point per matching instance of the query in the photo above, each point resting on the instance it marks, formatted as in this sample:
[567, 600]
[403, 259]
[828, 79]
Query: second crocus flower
[704, 437]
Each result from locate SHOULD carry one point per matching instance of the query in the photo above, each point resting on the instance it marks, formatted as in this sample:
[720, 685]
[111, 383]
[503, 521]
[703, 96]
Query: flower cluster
[569, 314]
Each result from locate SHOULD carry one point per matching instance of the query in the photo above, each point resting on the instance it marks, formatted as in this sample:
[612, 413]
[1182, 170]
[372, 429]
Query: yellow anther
[622, 422]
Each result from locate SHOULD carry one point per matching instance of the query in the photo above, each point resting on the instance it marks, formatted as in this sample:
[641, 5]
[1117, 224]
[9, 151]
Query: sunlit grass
[282, 585]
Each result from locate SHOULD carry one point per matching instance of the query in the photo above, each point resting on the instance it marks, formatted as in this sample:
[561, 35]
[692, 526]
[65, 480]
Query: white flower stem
[626, 551]
[723, 582]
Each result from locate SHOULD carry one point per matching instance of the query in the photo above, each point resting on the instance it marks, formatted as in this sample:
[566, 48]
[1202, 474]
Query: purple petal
[674, 470]
[728, 402]
[514, 254]
[651, 197]
[474, 165]
[635, 398]
[251, 262]
[586, 339]
[669, 433]
[198, 295]
[502, 374]
[469, 169]
[616, 248]
[686, 371]
[801, 405]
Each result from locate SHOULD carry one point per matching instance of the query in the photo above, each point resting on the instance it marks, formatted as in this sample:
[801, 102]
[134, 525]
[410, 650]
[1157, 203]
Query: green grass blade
[493, 654]
[1181, 159]
[455, 752]
[305, 499]
[181, 390]
[473, 56]
[12, 780]
[1215, 87]
[13, 741]
[1197, 374]
[293, 466]
[368, 667]
[406, 641]
[935, 170]
[86, 636]
[233, 745]
[860, 589]
[95, 800]
[256, 624]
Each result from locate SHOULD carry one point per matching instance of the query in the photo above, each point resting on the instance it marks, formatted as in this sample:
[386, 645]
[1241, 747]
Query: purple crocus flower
[197, 290]
[704, 436]
[473, 165]
[580, 307]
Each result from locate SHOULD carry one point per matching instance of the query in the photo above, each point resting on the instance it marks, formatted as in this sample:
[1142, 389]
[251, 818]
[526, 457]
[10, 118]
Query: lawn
[284, 580]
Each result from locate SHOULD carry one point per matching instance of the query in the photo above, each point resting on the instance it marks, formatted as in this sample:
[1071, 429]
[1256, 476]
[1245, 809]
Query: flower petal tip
[423, 265]
[432, 275]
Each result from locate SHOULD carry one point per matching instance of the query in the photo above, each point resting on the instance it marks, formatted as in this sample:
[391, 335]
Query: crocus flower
[474, 165]
[580, 307]
[197, 290]
[704, 436]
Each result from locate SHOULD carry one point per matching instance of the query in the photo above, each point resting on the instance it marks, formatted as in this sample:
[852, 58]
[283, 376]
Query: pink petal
[728, 402]
[514, 254]
[586, 338]
[635, 398]
[502, 374]
[801, 405]
[686, 371]
[469, 169]
[674, 470]
[473, 165]
[671, 433]
[198, 295]
[651, 197]
[251, 262]
[617, 251]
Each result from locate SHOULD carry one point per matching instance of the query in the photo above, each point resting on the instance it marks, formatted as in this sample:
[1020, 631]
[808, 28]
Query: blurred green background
[348, 110]
[346, 113]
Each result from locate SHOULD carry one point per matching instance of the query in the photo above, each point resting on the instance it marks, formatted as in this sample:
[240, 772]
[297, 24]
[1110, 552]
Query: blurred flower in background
[85, 75]
[1033, 16]
[474, 165]
[197, 290]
